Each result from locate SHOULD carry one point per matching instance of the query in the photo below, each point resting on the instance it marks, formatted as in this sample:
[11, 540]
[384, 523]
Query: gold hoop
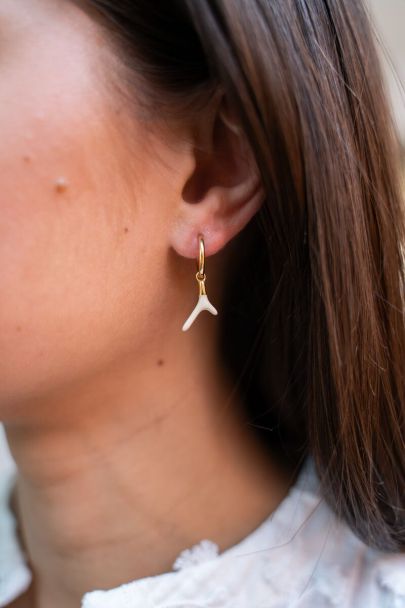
[201, 259]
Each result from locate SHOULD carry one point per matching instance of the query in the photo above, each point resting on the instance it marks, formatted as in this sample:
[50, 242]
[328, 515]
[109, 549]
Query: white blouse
[301, 556]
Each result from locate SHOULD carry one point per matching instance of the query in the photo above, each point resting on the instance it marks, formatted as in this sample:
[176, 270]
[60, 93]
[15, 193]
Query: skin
[126, 431]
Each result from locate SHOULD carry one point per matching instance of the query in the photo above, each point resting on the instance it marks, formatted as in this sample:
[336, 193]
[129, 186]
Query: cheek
[76, 258]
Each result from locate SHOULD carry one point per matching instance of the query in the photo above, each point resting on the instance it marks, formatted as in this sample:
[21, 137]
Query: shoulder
[336, 567]
[304, 556]
[387, 578]
[343, 572]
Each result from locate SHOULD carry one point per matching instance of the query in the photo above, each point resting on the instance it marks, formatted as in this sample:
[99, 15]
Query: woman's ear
[224, 189]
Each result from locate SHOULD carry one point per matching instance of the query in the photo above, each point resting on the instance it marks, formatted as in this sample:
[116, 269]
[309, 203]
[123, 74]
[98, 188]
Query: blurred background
[389, 21]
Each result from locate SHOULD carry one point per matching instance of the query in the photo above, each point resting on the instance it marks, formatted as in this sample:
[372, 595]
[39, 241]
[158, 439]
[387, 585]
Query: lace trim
[203, 551]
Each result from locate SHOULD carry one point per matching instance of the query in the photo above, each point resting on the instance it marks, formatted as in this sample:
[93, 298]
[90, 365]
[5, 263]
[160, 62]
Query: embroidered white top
[301, 556]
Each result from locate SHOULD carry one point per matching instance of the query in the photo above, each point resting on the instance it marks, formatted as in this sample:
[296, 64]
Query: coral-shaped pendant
[202, 304]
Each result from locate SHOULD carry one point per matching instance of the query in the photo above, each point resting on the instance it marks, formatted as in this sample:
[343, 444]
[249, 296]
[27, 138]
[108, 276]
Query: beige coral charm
[202, 304]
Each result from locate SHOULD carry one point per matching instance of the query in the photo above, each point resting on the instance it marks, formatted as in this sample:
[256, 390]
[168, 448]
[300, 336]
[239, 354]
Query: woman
[236, 155]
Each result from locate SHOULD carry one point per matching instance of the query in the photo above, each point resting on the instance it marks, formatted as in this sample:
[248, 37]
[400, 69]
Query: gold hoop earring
[203, 301]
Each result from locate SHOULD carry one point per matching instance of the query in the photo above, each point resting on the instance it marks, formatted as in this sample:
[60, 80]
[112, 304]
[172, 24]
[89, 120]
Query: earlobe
[223, 192]
[218, 217]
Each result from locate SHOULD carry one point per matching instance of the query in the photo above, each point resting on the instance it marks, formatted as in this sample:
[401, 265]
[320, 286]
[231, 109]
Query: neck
[132, 466]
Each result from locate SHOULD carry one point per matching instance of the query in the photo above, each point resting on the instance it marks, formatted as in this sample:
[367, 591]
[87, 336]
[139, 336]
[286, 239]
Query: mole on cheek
[126, 229]
[18, 328]
[160, 362]
[27, 159]
[61, 184]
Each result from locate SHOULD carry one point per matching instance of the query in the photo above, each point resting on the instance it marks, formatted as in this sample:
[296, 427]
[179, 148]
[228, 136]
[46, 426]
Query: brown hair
[319, 344]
